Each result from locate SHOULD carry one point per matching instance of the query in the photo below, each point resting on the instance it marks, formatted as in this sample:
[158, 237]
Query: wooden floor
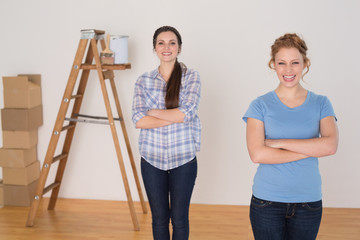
[75, 219]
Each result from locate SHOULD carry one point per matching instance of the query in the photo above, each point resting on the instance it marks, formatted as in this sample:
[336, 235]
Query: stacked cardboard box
[20, 117]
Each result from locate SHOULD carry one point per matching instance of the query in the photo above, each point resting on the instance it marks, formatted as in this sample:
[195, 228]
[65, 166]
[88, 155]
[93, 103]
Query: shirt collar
[154, 73]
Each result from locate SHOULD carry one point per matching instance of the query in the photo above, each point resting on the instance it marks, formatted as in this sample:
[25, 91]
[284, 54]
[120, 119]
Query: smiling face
[167, 47]
[289, 66]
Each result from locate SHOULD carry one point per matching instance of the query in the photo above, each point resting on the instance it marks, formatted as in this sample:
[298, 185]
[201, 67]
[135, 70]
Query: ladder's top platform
[91, 33]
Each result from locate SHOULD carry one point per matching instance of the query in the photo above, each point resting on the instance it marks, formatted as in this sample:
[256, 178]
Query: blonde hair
[289, 40]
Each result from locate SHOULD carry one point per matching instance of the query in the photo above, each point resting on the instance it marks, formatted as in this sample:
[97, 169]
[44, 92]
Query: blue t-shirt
[297, 181]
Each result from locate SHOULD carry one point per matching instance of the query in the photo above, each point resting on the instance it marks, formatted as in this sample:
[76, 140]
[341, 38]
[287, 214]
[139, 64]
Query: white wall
[228, 42]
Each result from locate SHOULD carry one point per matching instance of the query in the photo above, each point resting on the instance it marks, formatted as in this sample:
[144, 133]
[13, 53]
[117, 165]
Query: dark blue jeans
[169, 193]
[279, 221]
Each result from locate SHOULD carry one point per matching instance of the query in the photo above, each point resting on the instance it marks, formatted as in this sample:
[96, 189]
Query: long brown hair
[174, 82]
[289, 40]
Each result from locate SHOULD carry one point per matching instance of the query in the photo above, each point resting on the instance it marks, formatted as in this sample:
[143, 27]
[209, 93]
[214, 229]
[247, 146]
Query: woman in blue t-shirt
[287, 130]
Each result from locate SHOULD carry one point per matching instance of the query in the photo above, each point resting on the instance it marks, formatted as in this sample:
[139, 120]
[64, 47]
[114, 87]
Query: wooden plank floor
[77, 219]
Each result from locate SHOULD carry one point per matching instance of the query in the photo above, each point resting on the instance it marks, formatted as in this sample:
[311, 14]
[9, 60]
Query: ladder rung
[67, 127]
[59, 157]
[76, 96]
[51, 187]
[95, 117]
[86, 121]
[108, 67]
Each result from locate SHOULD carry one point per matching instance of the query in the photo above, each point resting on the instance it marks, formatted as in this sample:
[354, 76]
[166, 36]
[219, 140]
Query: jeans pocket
[260, 203]
[313, 206]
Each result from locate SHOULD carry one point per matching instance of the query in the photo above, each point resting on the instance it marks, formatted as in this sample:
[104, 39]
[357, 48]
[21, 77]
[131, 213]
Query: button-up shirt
[173, 145]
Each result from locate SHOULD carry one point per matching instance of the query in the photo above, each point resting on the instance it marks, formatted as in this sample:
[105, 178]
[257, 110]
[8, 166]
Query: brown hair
[289, 40]
[174, 82]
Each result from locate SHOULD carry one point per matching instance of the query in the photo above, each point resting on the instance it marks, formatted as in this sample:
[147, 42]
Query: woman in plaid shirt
[165, 108]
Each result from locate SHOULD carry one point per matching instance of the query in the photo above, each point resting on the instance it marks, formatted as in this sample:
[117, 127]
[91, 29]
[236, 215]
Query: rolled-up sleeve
[139, 103]
[189, 102]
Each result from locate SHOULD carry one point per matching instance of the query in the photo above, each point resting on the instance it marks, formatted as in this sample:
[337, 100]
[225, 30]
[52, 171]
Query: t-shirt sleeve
[255, 110]
[327, 109]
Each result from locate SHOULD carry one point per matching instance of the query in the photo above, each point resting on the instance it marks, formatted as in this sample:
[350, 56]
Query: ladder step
[51, 187]
[95, 117]
[86, 121]
[108, 67]
[76, 96]
[67, 127]
[59, 157]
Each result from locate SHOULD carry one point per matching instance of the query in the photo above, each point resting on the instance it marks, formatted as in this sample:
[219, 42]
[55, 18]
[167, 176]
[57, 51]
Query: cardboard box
[23, 91]
[21, 176]
[1, 193]
[17, 158]
[17, 119]
[20, 139]
[19, 195]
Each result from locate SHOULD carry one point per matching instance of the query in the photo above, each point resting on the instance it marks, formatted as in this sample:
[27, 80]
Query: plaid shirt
[170, 146]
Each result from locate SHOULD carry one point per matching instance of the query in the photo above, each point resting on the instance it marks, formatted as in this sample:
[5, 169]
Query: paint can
[119, 45]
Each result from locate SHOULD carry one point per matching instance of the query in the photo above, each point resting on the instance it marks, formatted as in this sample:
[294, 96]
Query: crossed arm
[271, 151]
[160, 117]
[155, 118]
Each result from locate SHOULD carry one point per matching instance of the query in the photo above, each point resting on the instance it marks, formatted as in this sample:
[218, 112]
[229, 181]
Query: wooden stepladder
[88, 43]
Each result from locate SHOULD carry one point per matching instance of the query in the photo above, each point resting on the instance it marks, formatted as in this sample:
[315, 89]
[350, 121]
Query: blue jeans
[295, 221]
[169, 193]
